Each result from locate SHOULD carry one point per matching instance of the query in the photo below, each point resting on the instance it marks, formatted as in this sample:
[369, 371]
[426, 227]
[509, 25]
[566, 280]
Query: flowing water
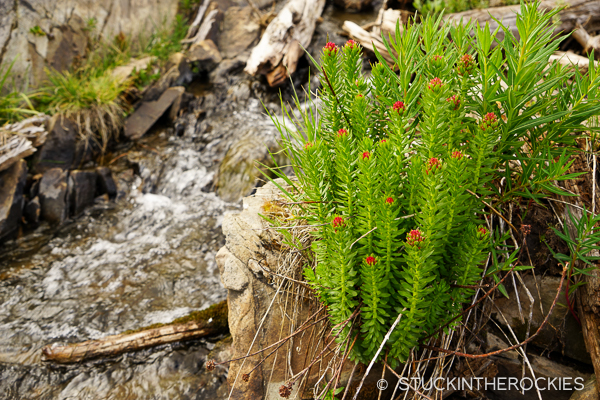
[147, 257]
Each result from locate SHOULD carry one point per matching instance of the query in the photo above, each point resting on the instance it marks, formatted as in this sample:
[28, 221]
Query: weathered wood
[292, 27]
[366, 39]
[580, 12]
[20, 139]
[194, 25]
[212, 321]
[588, 42]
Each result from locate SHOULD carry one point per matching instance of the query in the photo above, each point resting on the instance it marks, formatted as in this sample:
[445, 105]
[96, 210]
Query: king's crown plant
[394, 169]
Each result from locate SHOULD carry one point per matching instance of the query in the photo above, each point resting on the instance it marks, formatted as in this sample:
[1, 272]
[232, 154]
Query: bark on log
[206, 322]
[277, 52]
[366, 39]
[581, 12]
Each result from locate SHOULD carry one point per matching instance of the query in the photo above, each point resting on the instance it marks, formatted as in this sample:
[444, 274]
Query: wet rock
[239, 172]
[105, 183]
[240, 30]
[12, 184]
[178, 62]
[149, 112]
[53, 195]
[81, 190]
[32, 211]
[221, 75]
[59, 149]
[561, 333]
[206, 54]
[180, 105]
[353, 5]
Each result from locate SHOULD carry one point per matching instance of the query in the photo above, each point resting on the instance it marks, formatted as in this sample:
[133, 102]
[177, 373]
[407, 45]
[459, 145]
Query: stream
[148, 257]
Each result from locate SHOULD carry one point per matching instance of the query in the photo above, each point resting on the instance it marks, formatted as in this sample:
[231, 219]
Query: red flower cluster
[435, 85]
[338, 222]
[465, 65]
[414, 237]
[285, 390]
[482, 233]
[351, 43]
[370, 260]
[330, 49]
[454, 102]
[366, 155]
[399, 107]
[342, 132]
[489, 121]
[433, 164]
[389, 200]
[308, 145]
[457, 154]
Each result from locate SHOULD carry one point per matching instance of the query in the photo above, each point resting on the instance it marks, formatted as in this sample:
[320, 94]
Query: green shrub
[393, 170]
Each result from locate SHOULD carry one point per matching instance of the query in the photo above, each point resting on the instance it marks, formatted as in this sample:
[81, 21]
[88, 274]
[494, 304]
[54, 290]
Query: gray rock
[81, 190]
[220, 76]
[66, 29]
[53, 195]
[353, 5]
[206, 54]
[146, 116]
[59, 149]
[561, 331]
[12, 184]
[106, 183]
[32, 211]
[240, 30]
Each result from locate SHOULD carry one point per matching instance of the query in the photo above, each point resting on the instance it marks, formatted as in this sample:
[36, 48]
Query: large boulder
[260, 312]
[12, 184]
[53, 195]
[59, 149]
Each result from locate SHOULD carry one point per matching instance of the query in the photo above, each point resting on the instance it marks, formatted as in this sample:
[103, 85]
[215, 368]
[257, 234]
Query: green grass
[14, 104]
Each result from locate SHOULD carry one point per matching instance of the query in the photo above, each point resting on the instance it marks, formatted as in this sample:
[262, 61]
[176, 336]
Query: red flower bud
[489, 121]
[414, 237]
[366, 155]
[454, 102]
[342, 132]
[370, 260]
[389, 200]
[435, 85]
[308, 145]
[338, 222]
[457, 154]
[330, 49]
[466, 64]
[432, 165]
[399, 107]
[351, 44]
[437, 61]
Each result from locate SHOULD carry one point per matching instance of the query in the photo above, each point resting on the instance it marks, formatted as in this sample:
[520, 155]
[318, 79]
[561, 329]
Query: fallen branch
[280, 48]
[207, 322]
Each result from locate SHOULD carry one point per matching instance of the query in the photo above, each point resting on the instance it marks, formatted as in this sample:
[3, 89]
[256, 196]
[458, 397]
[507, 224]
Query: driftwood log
[203, 323]
[280, 47]
[19, 140]
[578, 12]
[569, 58]
[588, 42]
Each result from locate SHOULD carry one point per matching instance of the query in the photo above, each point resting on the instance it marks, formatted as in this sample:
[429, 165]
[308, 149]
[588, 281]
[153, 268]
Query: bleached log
[578, 12]
[588, 42]
[194, 25]
[20, 139]
[278, 48]
[572, 59]
[366, 39]
[118, 344]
